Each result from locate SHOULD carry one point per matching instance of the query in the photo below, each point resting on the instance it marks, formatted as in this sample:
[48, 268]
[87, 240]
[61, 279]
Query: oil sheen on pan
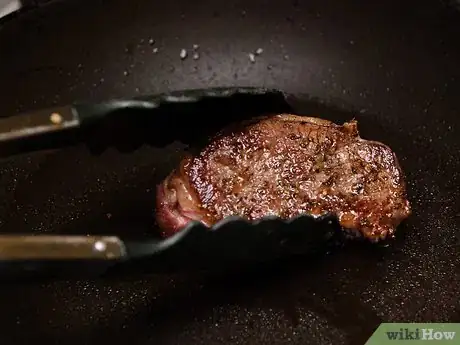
[287, 165]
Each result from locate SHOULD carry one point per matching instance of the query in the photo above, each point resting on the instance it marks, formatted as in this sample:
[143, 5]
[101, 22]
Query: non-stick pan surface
[394, 66]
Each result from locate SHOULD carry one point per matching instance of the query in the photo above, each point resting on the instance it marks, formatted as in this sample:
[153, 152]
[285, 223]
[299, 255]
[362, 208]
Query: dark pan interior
[114, 192]
[392, 64]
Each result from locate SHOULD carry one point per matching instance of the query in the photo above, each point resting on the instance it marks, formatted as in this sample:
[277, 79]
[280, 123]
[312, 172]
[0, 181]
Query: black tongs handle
[65, 125]
[63, 118]
[128, 124]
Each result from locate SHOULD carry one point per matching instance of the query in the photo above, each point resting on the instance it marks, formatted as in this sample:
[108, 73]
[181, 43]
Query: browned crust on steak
[288, 165]
[177, 203]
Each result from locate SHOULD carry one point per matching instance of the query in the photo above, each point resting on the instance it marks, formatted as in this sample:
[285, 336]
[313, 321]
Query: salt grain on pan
[155, 50]
[151, 41]
[259, 51]
[252, 57]
[195, 46]
[183, 54]
[196, 56]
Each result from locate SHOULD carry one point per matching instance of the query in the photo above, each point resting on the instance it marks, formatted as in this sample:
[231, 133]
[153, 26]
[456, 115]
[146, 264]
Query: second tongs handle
[49, 256]
[50, 247]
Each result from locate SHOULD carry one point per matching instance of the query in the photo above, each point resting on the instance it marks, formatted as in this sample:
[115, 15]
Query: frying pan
[392, 65]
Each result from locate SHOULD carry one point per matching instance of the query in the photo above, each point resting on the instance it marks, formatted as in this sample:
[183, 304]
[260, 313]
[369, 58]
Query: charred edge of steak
[178, 202]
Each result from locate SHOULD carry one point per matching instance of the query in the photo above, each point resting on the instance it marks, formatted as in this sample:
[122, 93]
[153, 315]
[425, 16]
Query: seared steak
[287, 165]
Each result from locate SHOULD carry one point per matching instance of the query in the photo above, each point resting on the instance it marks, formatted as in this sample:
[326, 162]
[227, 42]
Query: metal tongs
[126, 125]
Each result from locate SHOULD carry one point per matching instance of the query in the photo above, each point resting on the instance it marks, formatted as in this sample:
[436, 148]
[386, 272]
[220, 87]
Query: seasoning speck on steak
[288, 165]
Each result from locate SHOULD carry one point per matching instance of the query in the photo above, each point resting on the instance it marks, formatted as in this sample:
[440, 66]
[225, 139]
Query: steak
[287, 165]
